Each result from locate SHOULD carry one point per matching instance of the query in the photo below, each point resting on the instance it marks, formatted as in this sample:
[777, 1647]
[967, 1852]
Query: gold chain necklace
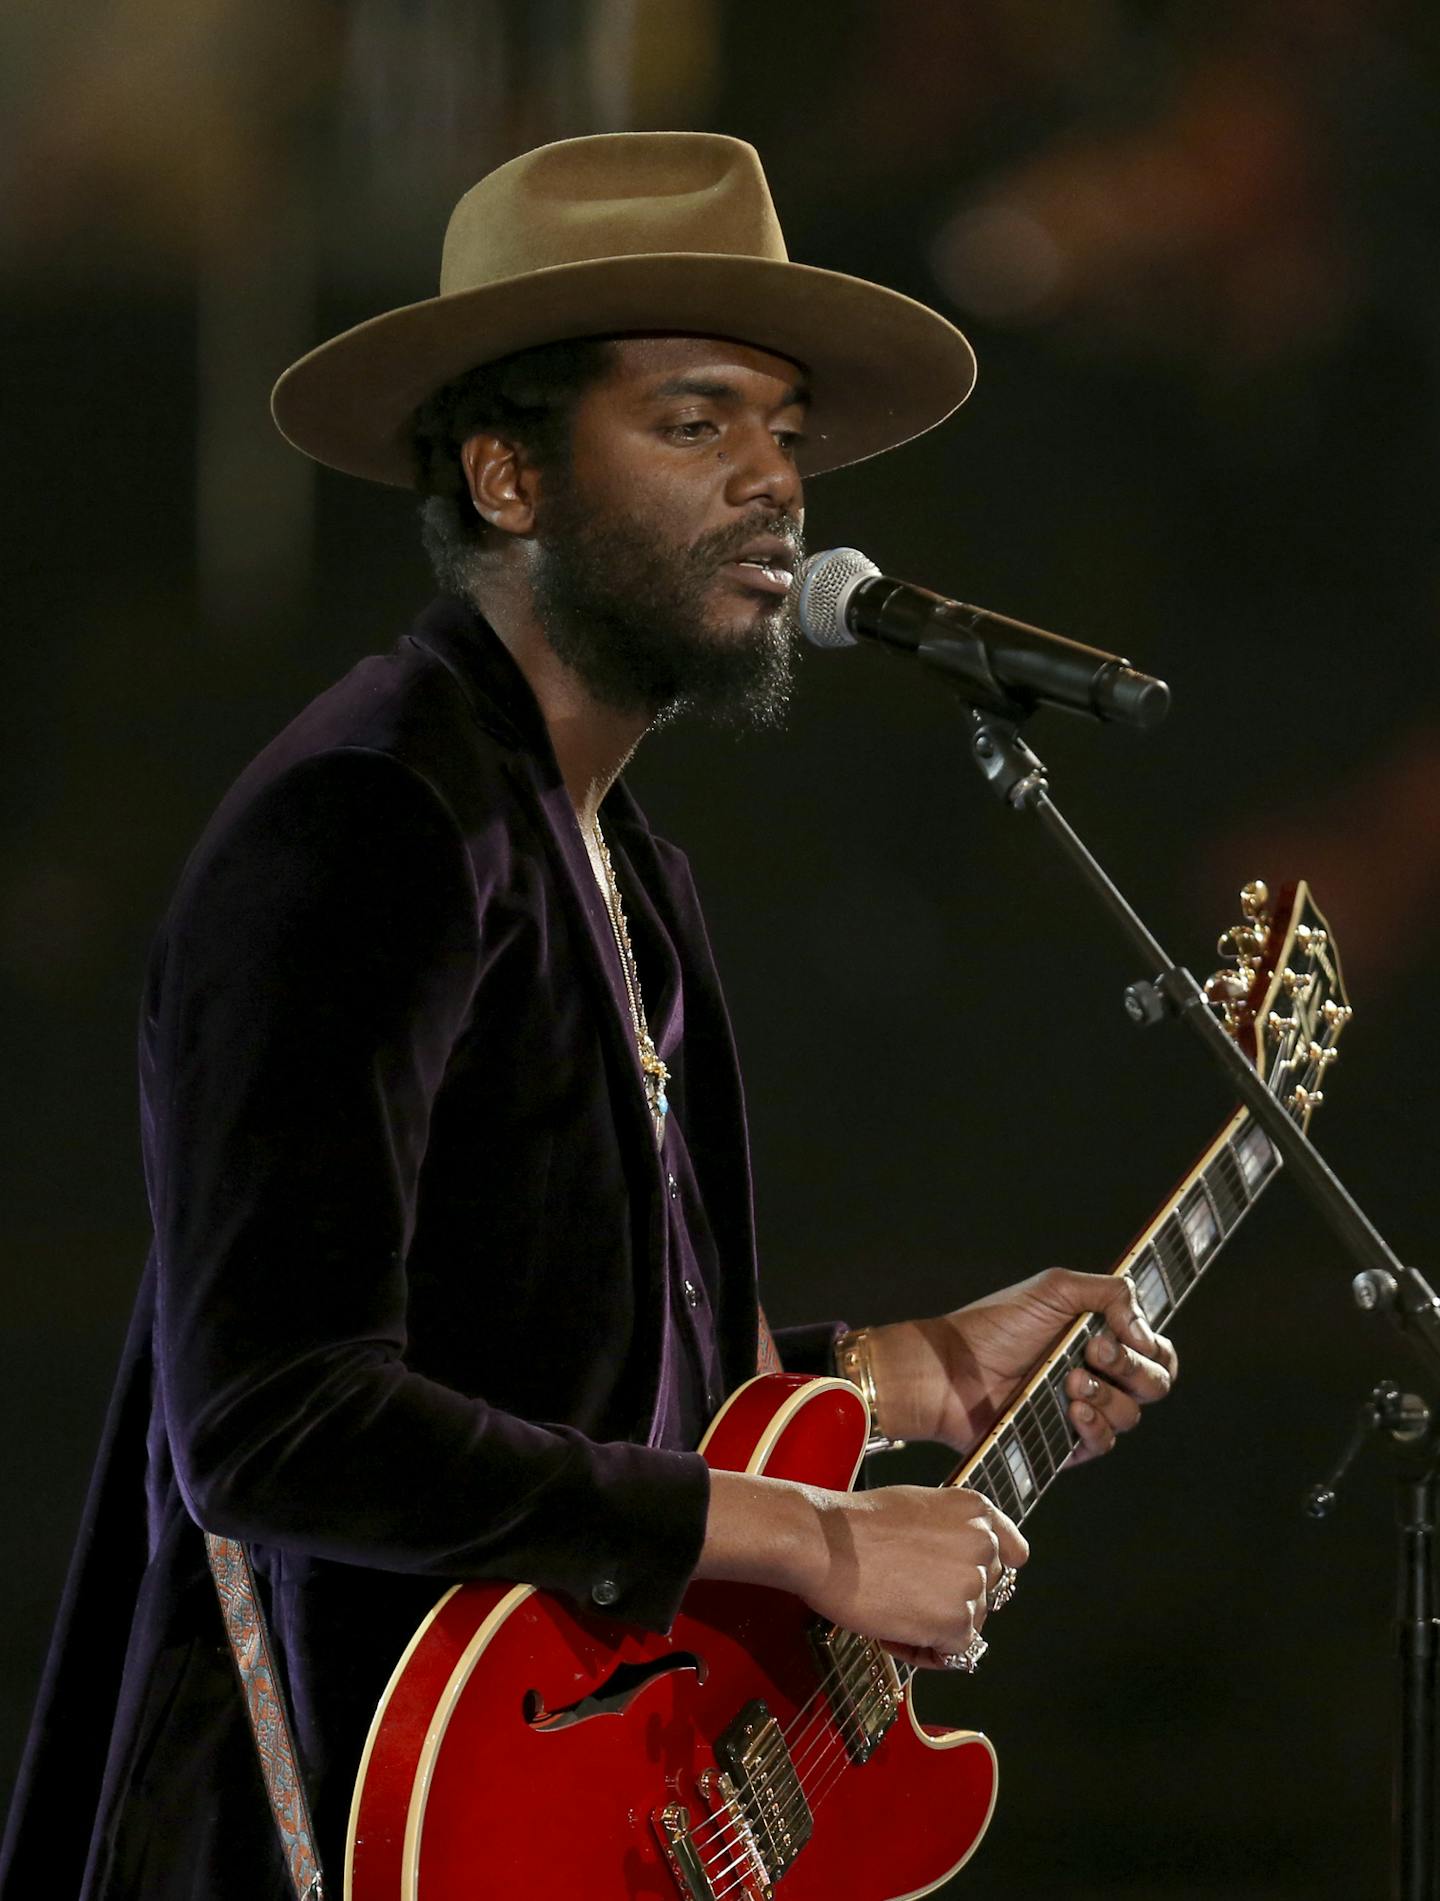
[654, 1072]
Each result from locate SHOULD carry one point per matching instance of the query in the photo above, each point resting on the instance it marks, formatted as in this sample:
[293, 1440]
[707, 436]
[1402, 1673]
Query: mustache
[722, 544]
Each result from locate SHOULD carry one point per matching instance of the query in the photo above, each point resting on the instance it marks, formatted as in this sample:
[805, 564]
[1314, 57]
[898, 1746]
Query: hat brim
[882, 367]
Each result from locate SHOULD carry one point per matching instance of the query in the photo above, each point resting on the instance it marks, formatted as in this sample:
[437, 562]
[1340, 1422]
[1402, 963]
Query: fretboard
[1031, 1440]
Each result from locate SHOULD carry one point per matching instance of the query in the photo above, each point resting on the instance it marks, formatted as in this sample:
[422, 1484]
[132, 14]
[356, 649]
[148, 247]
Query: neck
[593, 743]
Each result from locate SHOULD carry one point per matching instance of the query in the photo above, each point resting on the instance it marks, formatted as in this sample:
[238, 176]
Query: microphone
[1002, 665]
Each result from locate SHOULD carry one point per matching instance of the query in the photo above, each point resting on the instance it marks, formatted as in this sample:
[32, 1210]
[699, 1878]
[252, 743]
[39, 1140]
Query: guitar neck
[1022, 1454]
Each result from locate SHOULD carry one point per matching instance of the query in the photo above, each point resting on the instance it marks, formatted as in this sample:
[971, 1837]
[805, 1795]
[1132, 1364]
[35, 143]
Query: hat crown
[626, 194]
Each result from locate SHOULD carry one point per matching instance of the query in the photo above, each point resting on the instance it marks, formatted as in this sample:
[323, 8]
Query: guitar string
[814, 1743]
[906, 1673]
[827, 1748]
[811, 1738]
[823, 1771]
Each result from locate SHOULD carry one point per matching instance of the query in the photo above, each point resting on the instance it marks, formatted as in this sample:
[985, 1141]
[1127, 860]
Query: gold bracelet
[852, 1362]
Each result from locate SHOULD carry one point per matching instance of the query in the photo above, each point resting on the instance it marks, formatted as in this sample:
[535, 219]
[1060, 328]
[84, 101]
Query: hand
[913, 1566]
[948, 1378]
[909, 1565]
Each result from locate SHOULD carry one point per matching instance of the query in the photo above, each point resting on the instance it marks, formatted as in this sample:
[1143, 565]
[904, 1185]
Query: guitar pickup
[862, 1685]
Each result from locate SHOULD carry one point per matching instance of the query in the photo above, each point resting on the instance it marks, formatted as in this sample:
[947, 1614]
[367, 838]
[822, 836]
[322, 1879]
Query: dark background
[1193, 244]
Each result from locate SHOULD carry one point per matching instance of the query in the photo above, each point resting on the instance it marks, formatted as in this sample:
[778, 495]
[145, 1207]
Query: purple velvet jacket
[402, 1320]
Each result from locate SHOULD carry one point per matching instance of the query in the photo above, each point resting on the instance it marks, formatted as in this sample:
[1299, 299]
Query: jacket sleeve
[324, 954]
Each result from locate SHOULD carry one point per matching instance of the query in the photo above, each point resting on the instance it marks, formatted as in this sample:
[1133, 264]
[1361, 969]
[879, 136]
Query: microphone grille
[827, 581]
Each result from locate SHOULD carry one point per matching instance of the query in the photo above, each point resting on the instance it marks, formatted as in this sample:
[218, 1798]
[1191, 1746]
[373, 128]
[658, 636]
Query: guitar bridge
[862, 1684]
[672, 1826]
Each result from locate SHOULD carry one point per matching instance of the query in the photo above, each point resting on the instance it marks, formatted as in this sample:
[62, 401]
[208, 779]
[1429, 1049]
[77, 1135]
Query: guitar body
[524, 1748]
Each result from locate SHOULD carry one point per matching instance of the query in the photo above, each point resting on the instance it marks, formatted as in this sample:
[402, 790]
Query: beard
[627, 611]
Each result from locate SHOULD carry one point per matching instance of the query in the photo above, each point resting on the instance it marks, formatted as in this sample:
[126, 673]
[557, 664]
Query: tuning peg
[1277, 1028]
[1255, 899]
[1294, 985]
[1310, 940]
[1321, 1057]
[1337, 1015]
[1242, 942]
[1228, 987]
[1303, 1098]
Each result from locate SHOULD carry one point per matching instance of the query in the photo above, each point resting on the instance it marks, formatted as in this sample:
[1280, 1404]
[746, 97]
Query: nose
[764, 471]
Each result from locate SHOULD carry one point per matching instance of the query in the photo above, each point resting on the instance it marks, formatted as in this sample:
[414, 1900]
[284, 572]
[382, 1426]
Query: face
[664, 552]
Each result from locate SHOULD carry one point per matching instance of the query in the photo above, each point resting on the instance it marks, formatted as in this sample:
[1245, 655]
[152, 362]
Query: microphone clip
[1006, 763]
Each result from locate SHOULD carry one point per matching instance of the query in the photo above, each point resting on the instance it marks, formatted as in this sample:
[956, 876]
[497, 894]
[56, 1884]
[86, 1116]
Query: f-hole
[615, 1695]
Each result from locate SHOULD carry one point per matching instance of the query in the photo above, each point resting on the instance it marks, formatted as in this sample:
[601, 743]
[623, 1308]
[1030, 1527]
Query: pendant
[656, 1077]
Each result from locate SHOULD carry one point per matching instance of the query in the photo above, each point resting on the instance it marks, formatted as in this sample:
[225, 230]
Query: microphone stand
[1382, 1282]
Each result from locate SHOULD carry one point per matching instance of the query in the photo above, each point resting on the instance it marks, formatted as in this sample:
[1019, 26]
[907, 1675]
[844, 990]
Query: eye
[790, 441]
[698, 430]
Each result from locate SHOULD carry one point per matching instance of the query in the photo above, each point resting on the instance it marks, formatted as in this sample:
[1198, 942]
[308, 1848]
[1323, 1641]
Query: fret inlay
[1019, 1465]
[1227, 1189]
[1258, 1160]
[1173, 1252]
[1032, 1443]
[1197, 1218]
[1150, 1289]
[1031, 1440]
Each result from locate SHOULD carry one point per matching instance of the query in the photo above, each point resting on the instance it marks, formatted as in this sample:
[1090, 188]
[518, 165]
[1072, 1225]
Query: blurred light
[999, 263]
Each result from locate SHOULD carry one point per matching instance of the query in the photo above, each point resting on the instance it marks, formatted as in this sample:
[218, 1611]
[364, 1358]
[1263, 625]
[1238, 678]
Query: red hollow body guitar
[525, 1750]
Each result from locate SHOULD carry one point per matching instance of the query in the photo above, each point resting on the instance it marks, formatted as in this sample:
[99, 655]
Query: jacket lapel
[502, 702]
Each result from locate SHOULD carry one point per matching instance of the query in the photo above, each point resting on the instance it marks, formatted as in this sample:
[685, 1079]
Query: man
[444, 1135]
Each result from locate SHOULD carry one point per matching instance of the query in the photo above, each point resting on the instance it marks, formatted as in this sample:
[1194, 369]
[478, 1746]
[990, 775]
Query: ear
[503, 484]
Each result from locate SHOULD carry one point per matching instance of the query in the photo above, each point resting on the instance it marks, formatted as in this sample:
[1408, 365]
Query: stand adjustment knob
[1374, 1291]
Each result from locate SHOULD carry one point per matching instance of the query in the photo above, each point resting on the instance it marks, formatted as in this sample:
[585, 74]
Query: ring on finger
[967, 1659]
[1004, 1589]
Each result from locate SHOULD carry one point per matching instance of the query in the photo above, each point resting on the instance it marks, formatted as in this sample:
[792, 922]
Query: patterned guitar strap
[264, 1703]
[265, 1706]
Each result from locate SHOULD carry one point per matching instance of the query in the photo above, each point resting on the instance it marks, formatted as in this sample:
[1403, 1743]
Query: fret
[1032, 1441]
[1255, 1156]
[993, 1478]
[1202, 1230]
[1227, 1190]
[1173, 1252]
[1013, 1454]
[1030, 1431]
[1049, 1403]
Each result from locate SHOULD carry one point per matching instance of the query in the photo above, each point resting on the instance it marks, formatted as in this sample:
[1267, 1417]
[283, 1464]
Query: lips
[768, 563]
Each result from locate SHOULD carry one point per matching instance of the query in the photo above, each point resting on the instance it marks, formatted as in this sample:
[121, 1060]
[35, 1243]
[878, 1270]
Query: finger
[1013, 1548]
[1097, 1435]
[1126, 1318]
[1120, 1410]
[1114, 1298]
[921, 1659]
[1136, 1373]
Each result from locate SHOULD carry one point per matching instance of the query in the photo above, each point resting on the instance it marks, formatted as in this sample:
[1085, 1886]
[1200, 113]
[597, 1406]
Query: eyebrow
[715, 391]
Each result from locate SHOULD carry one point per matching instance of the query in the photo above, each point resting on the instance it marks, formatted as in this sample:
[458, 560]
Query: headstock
[1283, 999]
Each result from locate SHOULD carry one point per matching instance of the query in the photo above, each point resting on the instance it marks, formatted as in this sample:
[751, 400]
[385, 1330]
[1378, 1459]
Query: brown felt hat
[659, 232]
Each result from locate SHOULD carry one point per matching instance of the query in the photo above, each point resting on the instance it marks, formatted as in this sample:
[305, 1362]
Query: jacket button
[692, 1294]
[673, 1186]
[605, 1593]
